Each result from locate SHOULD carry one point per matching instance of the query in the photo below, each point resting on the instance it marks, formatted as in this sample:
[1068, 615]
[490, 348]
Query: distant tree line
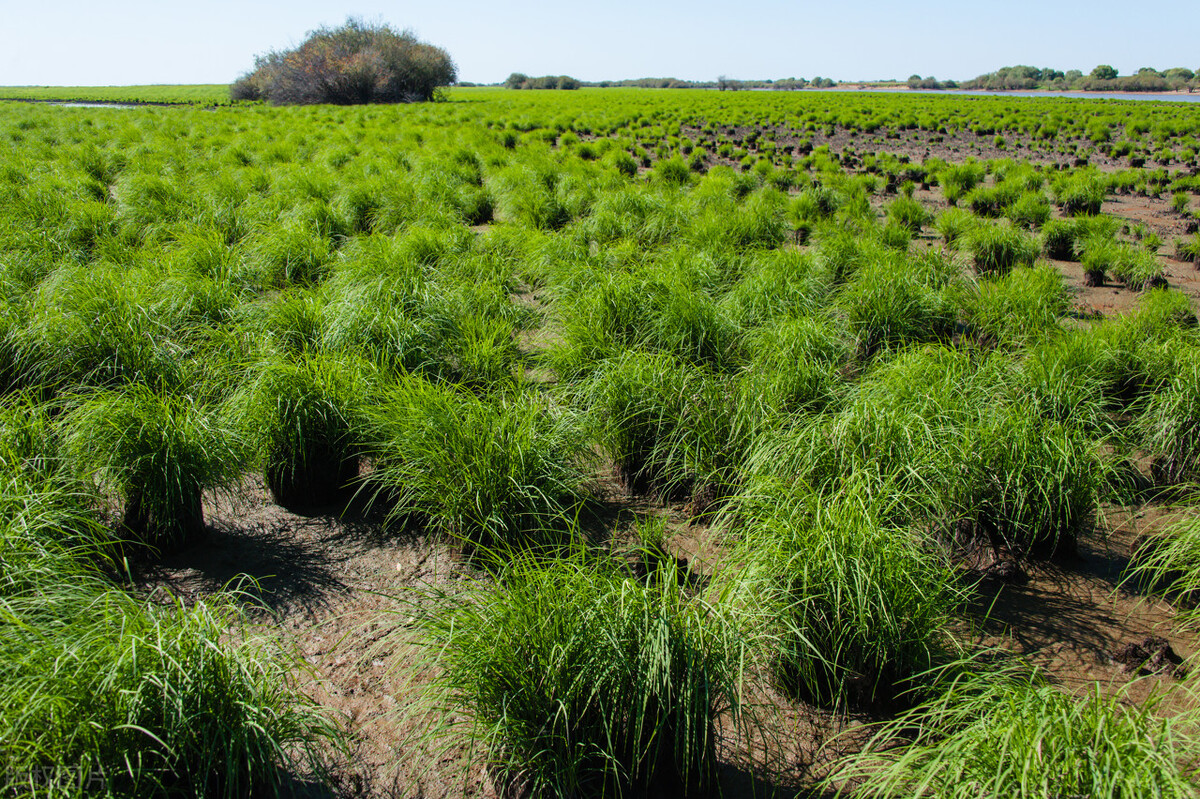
[917, 82]
[519, 80]
[1102, 78]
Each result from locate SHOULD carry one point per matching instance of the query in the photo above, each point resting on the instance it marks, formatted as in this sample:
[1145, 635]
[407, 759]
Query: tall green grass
[302, 423]
[157, 452]
[854, 606]
[998, 248]
[671, 429]
[578, 679]
[48, 530]
[1005, 733]
[495, 474]
[103, 694]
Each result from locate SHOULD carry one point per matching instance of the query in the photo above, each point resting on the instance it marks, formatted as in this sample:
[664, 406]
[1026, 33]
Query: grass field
[608, 442]
[207, 94]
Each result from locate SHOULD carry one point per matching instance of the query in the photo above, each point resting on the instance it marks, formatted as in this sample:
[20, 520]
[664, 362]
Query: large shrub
[356, 63]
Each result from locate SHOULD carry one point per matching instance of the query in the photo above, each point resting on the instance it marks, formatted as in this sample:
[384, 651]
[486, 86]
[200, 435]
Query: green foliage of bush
[356, 63]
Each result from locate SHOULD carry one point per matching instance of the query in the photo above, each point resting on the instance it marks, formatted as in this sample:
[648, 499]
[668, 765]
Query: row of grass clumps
[461, 333]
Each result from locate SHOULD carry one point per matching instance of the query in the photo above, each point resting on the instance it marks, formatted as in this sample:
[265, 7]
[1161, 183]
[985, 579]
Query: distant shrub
[354, 64]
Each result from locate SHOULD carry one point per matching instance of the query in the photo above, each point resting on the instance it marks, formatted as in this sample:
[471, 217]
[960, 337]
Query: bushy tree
[516, 80]
[356, 63]
[1104, 72]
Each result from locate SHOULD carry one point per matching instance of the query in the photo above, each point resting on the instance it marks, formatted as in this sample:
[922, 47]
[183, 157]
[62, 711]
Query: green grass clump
[1058, 240]
[579, 679]
[47, 524]
[103, 694]
[1066, 239]
[1168, 564]
[996, 249]
[672, 171]
[1138, 269]
[494, 474]
[991, 201]
[1059, 379]
[157, 452]
[1188, 250]
[954, 224]
[302, 422]
[1081, 194]
[794, 365]
[1030, 210]
[894, 300]
[909, 213]
[854, 606]
[990, 733]
[292, 254]
[776, 285]
[958, 179]
[671, 429]
[1020, 307]
[1169, 425]
[96, 327]
[814, 204]
[1026, 486]
[621, 162]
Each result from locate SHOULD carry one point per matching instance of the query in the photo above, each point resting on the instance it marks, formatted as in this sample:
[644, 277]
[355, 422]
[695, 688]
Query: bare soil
[332, 587]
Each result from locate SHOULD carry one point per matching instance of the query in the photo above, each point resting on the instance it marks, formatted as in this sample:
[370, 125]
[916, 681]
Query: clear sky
[78, 42]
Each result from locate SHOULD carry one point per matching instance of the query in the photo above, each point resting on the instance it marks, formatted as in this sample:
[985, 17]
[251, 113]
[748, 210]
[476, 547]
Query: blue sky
[124, 42]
